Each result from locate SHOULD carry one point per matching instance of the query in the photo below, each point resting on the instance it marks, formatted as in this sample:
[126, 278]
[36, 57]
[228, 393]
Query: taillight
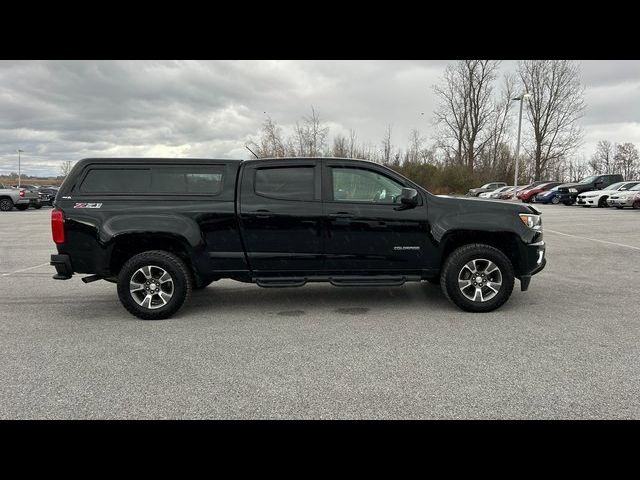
[21, 193]
[57, 225]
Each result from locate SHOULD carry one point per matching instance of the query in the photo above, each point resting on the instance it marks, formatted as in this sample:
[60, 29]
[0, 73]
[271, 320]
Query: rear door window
[286, 183]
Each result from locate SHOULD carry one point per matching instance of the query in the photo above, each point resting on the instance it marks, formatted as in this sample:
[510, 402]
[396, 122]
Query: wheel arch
[506, 242]
[126, 245]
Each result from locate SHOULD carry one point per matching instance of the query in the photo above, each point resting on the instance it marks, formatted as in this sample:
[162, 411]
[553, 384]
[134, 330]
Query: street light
[520, 99]
[19, 152]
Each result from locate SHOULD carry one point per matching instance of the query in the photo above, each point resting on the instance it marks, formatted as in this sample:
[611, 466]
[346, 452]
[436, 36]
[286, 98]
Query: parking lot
[568, 348]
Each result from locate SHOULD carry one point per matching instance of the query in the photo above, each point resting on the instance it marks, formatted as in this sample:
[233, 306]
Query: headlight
[573, 190]
[531, 221]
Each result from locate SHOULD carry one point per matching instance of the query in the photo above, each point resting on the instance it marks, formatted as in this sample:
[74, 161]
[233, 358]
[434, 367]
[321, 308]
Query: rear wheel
[22, 207]
[6, 205]
[154, 285]
[619, 208]
[37, 206]
[477, 278]
[555, 200]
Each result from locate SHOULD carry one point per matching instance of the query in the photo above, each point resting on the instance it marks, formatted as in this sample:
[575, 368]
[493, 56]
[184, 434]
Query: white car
[598, 198]
[496, 191]
[629, 198]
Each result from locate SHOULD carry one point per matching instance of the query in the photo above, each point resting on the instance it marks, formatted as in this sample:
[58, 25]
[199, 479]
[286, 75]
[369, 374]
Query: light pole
[515, 182]
[19, 176]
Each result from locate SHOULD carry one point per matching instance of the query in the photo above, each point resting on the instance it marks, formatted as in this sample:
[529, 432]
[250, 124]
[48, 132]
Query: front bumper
[620, 202]
[63, 266]
[586, 201]
[532, 260]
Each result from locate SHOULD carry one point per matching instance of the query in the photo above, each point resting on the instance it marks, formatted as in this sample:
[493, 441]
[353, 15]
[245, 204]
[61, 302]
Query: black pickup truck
[162, 227]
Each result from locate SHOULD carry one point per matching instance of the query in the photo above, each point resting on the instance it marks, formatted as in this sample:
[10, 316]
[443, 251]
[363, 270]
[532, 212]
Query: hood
[487, 205]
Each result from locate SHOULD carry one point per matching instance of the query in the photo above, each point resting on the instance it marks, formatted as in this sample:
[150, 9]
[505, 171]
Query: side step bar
[338, 281]
[280, 282]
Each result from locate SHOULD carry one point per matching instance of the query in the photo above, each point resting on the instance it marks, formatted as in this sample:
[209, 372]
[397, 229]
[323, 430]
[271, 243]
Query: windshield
[616, 186]
[636, 188]
[588, 179]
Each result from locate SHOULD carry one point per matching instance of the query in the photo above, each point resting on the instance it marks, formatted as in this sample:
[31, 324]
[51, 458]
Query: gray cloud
[67, 110]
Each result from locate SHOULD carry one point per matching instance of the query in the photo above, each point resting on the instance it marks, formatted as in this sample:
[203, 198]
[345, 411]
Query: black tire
[37, 206]
[636, 204]
[555, 200]
[22, 207]
[602, 203]
[455, 263]
[6, 205]
[619, 208]
[180, 277]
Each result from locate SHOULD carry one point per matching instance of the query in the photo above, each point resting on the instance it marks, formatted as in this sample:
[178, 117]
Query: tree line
[474, 131]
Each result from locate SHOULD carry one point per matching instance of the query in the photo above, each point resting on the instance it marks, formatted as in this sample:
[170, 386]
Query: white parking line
[592, 239]
[24, 269]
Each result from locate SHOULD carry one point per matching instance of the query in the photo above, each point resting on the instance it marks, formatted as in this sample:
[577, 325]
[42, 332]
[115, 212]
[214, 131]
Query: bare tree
[66, 167]
[415, 146]
[466, 108]
[602, 160]
[555, 105]
[311, 135]
[270, 143]
[386, 146]
[340, 146]
[626, 160]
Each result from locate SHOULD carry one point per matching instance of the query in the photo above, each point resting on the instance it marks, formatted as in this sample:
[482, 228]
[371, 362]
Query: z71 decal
[87, 205]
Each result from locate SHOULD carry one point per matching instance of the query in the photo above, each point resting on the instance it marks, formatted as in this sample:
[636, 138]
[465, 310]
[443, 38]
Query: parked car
[494, 193]
[272, 222]
[629, 198]
[20, 198]
[508, 194]
[568, 192]
[529, 194]
[598, 198]
[529, 186]
[488, 187]
[47, 195]
[549, 196]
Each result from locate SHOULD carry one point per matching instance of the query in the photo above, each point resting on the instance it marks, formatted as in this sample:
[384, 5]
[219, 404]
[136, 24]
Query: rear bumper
[63, 266]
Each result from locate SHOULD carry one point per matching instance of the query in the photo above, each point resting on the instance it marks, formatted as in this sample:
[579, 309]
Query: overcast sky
[68, 110]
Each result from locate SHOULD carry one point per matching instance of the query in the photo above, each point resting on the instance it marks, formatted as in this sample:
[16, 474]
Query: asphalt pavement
[569, 348]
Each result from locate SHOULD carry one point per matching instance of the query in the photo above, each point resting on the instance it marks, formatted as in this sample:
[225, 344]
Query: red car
[528, 194]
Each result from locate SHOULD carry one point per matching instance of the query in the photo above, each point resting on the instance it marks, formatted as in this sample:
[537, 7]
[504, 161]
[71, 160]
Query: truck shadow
[295, 302]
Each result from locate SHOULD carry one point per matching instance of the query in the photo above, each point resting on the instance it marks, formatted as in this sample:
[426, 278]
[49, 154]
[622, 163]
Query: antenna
[247, 147]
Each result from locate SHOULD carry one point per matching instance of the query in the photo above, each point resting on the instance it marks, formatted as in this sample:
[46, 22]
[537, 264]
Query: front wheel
[477, 278]
[22, 207]
[37, 206]
[555, 200]
[636, 204]
[602, 203]
[154, 285]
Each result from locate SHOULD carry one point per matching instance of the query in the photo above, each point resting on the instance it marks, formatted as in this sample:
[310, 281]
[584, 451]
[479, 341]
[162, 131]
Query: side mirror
[408, 198]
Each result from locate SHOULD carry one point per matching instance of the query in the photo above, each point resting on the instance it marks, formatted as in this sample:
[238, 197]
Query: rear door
[281, 216]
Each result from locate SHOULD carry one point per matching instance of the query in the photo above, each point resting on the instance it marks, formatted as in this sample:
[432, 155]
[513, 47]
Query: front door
[367, 231]
[281, 216]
